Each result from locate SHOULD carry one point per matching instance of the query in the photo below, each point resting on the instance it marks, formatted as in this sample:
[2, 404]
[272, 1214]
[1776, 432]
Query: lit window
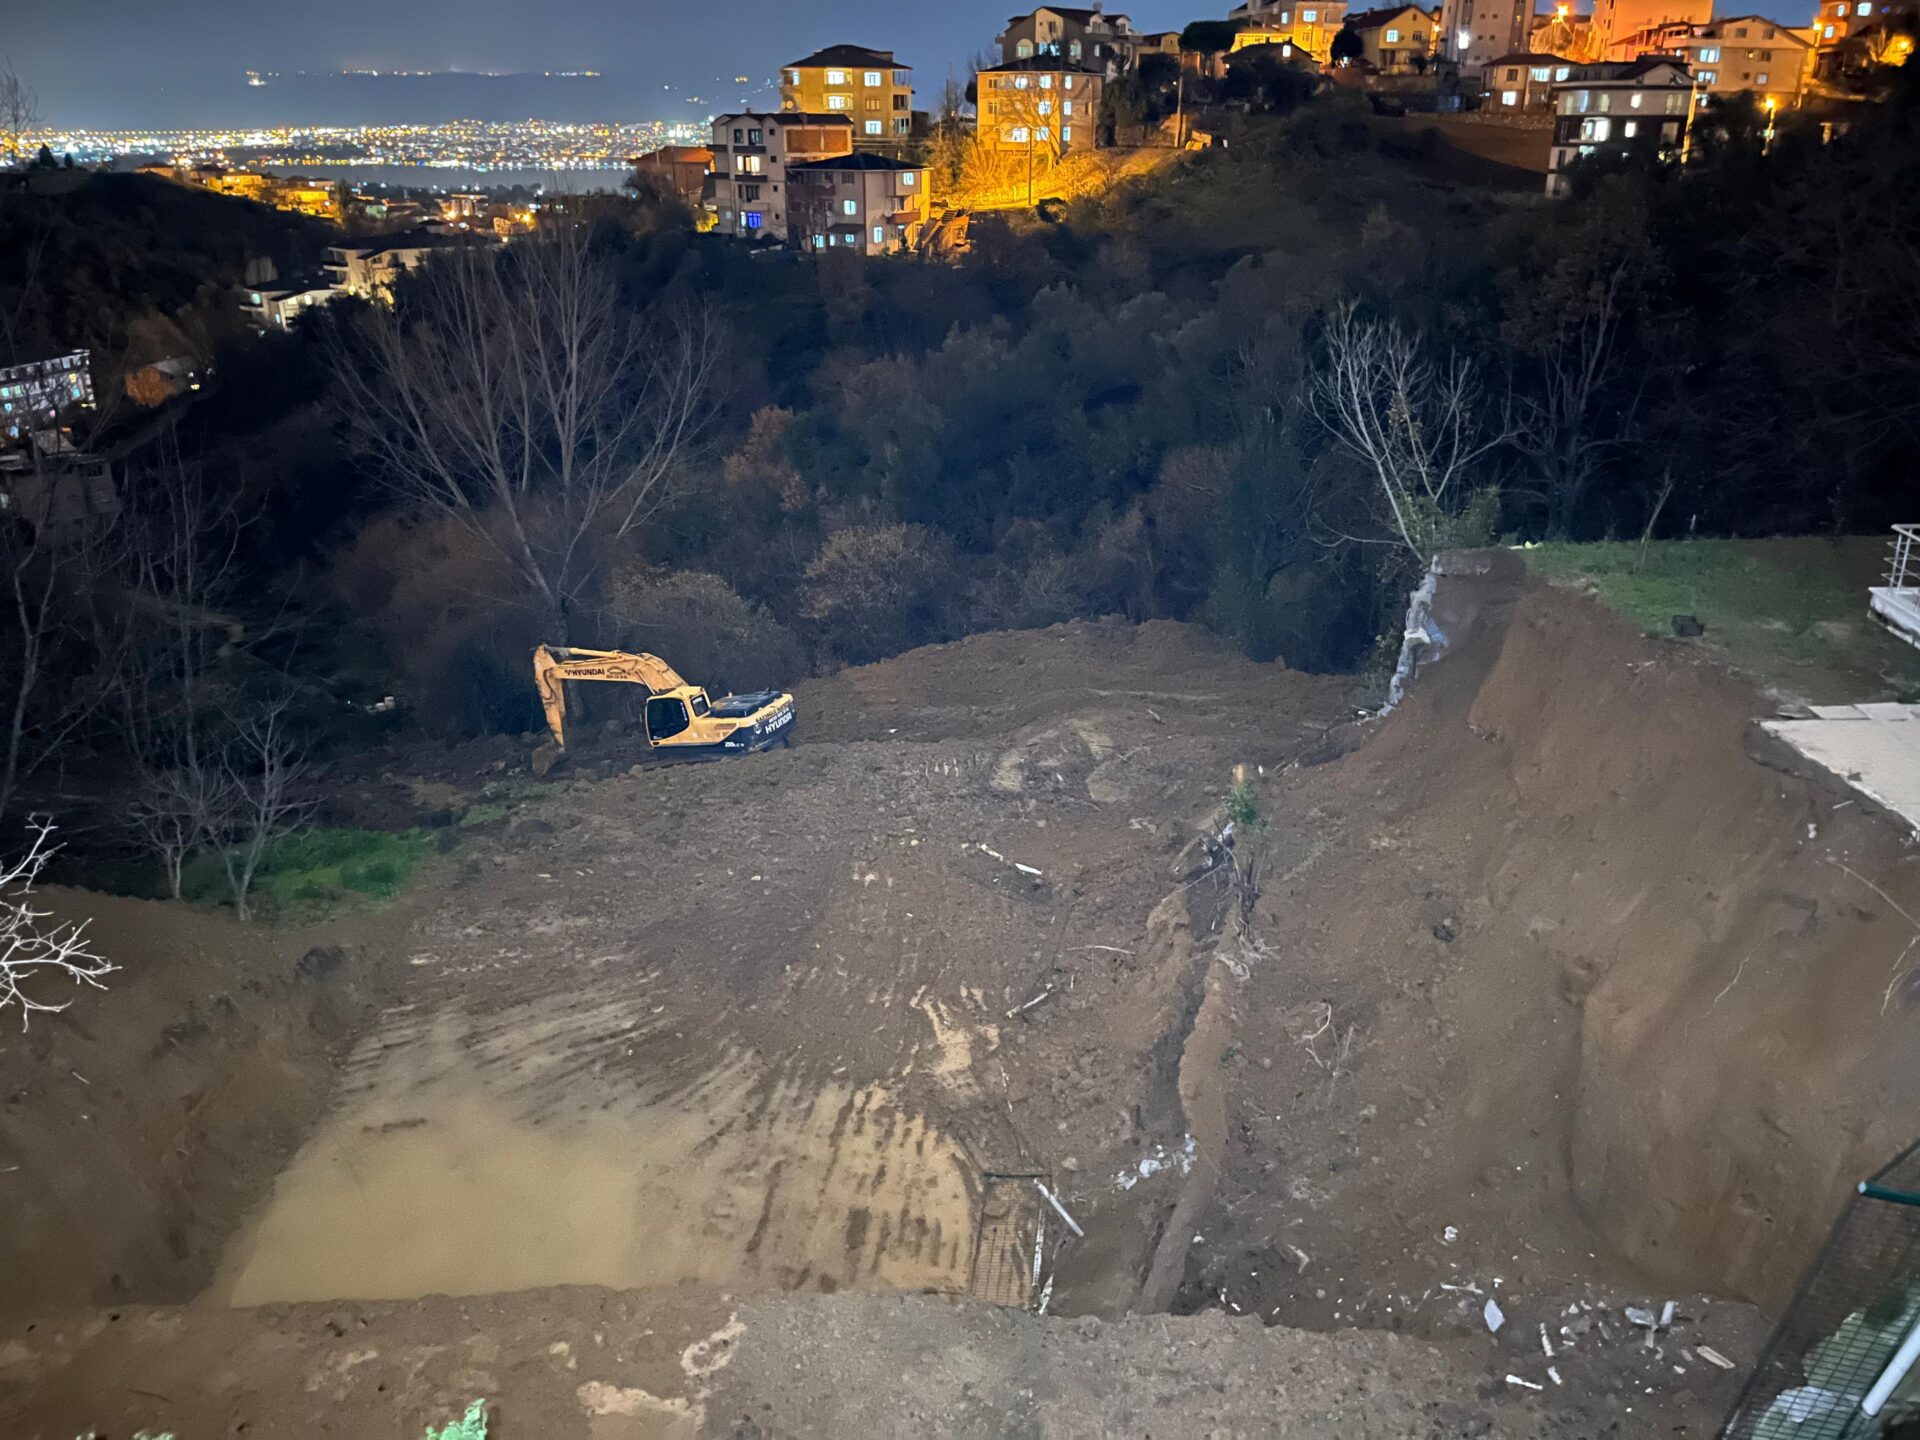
[1863, 8]
[1707, 77]
[836, 102]
[753, 219]
[1596, 128]
[1066, 107]
[1018, 134]
[1073, 50]
[1634, 103]
[874, 127]
[871, 79]
[1562, 73]
[836, 77]
[1023, 50]
[1019, 82]
[850, 207]
[879, 235]
[1309, 17]
[1509, 97]
[1046, 107]
[908, 179]
[1543, 73]
[819, 240]
[1066, 134]
[1393, 37]
[1827, 34]
[1581, 100]
[793, 77]
[1761, 78]
[1630, 129]
[1709, 54]
[1045, 132]
[753, 137]
[1286, 17]
[1066, 82]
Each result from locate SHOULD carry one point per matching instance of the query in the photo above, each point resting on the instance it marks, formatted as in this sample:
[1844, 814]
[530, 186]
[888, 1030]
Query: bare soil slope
[1537, 993]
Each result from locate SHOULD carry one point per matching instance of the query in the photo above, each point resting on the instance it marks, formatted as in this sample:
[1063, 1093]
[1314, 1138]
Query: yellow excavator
[679, 716]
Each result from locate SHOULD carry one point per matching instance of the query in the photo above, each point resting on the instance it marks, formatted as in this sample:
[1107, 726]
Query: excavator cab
[679, 716]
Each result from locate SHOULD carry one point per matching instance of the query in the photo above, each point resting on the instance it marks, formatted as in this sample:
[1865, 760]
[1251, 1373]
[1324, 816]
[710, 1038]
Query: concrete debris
[1714, 1357]
[1546, 1344]
[1450, 1234]
[1553, 1374]
[1159, 1159]
[1523, 1384]
[1494, 1316]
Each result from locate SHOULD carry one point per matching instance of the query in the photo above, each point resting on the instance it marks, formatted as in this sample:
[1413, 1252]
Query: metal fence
[1844, 1361]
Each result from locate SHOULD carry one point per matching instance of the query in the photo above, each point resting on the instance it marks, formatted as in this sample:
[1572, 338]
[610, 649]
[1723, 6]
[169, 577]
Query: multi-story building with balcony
[748, 189]
[865, 203]
[870, 88]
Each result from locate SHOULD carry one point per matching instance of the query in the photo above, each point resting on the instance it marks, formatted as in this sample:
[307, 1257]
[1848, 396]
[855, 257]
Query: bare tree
[31, 949]
[261, 768]
[19, 114]
[515, 395]
[1413, 422]
[61, 646]
[183, 545]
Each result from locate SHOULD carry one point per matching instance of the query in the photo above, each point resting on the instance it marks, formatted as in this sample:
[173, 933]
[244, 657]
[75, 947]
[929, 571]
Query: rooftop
[788, 117]
[859, 160]
[1386, 15]
[850, 55]
[1078, 16]
[1044, 64]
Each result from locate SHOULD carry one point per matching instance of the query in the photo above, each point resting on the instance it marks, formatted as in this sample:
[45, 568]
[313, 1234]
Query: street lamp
[1766, 138]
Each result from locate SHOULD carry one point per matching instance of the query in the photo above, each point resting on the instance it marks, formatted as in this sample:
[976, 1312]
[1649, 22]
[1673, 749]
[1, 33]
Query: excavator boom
[553, 664]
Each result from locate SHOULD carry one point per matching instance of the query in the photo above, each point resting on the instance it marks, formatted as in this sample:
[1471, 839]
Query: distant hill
[135, 267]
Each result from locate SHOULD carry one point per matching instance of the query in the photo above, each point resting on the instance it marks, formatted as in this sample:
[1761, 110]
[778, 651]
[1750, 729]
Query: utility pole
[1180, 105]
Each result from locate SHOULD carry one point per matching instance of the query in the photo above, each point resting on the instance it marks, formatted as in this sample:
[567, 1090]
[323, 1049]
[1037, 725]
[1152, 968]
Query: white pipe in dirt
[1896, 1371]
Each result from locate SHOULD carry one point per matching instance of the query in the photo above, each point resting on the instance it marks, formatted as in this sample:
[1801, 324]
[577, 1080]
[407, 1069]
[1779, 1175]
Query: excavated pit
[817, 1021]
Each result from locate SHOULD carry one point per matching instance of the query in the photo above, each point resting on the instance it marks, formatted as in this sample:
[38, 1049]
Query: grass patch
[318, 869]
[1792, 612]
[485, 813]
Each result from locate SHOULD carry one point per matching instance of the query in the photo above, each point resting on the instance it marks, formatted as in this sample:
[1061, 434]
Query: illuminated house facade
[1475, 33]
[748, 190]
[1397, 41]
[1749, 53]
[870, 88]
[1083, 37]
[1309, 27]
[1618, 109]
[1042, 103]
[865, 203]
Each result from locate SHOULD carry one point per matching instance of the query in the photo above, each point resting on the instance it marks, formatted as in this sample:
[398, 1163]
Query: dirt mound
[141, 1124]
[1571, 1002]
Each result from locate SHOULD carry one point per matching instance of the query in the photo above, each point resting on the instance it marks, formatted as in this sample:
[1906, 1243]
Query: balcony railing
[1898, 601]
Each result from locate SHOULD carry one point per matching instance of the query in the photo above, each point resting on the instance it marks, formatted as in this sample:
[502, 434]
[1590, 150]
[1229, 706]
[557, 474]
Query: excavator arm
[554, 664]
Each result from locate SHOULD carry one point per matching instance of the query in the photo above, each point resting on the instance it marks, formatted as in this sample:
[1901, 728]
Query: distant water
[435, 177]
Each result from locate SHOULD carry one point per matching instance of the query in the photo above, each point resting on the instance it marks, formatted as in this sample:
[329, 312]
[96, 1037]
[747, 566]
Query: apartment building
[1617, 109]
[1475, 33]
[866, 203]
[871, 88]
[1626, 30]
[747, 191]
[367, 269]
[37, 386]
[1042, 103]
[1310, 26]
[1749, 53]
[1085, 37]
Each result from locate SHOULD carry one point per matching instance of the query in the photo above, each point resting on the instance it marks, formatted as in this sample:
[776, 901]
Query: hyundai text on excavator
[679, 716]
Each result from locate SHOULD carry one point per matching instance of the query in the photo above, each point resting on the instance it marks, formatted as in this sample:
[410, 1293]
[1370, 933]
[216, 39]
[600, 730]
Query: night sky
[182, 62]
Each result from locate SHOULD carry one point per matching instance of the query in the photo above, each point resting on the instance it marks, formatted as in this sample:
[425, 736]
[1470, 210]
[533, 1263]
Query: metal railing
[1844, 1361]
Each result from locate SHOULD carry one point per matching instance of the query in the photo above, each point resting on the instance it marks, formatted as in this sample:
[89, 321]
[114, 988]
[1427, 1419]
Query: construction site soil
[770, 1097]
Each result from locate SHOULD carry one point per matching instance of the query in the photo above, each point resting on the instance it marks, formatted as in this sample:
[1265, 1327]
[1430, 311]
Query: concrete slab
[1874, 748]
